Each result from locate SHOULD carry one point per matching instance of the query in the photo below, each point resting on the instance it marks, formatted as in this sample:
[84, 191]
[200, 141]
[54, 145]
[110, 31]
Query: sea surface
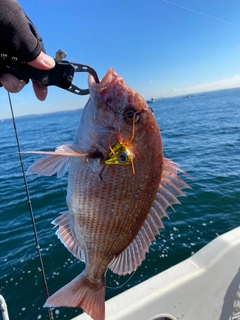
[200, 132]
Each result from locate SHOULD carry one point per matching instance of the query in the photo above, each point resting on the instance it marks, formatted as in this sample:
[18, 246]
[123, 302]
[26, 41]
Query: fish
[119, 188]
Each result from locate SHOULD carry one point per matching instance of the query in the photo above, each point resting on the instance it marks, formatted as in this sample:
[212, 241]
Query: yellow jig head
[120, 154]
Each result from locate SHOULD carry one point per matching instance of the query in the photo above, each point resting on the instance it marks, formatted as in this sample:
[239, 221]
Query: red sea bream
[119, 187]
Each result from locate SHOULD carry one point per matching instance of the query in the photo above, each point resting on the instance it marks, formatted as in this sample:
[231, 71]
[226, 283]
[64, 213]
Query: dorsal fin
[66, 236]
[170, 188]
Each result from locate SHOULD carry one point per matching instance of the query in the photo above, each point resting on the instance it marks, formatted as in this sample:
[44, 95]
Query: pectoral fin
[170, 188]
[54, 162]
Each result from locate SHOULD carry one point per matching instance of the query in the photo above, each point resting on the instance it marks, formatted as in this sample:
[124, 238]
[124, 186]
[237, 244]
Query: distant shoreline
[186, 95]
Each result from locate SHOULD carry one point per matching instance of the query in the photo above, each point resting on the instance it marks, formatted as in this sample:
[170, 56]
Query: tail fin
[81, 293]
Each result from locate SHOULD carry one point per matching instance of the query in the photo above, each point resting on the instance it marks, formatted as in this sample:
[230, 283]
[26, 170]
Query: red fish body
[119, 187]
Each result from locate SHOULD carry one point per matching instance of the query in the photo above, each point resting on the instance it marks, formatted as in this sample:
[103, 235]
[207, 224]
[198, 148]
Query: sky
[161, 48]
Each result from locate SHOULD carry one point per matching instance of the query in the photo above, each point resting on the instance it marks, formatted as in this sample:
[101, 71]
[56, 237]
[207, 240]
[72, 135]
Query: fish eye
[122, 158]
[129, 114]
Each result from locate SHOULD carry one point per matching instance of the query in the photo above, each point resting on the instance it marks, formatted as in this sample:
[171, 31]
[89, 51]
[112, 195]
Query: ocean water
[200, 132]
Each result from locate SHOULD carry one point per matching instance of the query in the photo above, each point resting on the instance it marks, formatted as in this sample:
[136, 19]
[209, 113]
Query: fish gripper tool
[61, 75]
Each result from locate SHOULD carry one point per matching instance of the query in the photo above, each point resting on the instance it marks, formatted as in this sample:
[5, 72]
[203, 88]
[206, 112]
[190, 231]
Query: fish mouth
[108, 79]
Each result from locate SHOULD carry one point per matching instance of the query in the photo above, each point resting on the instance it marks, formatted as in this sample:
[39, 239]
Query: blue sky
[161, 48]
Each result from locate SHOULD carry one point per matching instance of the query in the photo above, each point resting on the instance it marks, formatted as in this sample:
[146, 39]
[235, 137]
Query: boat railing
[3, 308]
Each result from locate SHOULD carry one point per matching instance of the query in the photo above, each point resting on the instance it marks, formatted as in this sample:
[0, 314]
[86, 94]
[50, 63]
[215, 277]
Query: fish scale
[102, 204]
[115, 208]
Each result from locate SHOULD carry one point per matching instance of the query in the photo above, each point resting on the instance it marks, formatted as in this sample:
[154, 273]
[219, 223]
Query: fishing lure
[120, 154]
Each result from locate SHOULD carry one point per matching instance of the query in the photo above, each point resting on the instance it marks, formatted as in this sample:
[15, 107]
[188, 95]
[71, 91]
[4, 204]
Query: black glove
[18, 35]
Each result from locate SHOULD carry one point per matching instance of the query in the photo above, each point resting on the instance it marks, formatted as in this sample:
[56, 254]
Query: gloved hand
[26, 44]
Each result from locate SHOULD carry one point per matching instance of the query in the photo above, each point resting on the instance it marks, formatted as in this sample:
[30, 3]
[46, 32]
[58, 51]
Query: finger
[43, 62]
[40, 92]
[11, 83]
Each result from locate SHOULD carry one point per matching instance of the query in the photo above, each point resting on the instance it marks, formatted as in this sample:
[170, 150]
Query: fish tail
[81, 293]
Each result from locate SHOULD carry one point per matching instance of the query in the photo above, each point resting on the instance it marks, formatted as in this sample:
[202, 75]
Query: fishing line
[123, 284]
[201, 13]
[50, 313]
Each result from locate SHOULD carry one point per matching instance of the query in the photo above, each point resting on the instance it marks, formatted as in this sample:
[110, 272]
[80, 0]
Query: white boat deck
[204, 287]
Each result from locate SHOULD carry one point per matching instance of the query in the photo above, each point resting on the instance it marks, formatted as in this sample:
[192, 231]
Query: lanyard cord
[50, 313]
